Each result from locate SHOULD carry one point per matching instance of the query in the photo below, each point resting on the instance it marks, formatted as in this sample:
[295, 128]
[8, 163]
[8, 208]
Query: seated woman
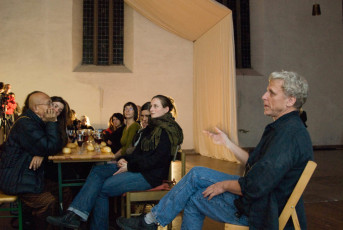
[110, 128]
[145, 114]
[130, 112]
[72, 170]
[145, 168]
[144, 119]
[113, 134]
[73, 121]
[85, 123]
[62, 110]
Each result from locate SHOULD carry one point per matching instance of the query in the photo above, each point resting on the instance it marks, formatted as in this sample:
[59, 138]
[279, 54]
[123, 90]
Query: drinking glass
[85, 134]
[71, 135]
[97, 138]
[80, 139]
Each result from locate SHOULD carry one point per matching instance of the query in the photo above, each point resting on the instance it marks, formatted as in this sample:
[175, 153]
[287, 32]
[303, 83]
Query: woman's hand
[219, 138]
[121, 163]
[36, 162]
[122, 169]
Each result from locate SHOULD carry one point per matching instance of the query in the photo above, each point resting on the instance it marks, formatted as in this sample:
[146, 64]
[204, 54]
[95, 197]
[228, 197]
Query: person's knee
[47, 206]
[50, 201]
[198, 170]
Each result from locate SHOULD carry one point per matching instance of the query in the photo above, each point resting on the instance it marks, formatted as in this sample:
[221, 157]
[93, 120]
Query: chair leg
[295, 220]
[20, 215]
[128, 205]
[122, 201]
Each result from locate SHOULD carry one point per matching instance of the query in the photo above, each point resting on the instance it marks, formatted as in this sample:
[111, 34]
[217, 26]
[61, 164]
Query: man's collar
[283, 118]
[33, 115]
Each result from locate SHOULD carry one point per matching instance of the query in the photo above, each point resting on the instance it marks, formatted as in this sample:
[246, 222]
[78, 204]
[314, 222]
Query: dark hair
[27, 100]
[64, 118]
[119, 116]
[146, 106]
[134, 106]
[1, 85]
[65, 114]
[167, 101]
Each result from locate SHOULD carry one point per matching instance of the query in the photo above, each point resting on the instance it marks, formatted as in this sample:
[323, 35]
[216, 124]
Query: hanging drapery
[215, 89]
[189, 19]
[209, 25]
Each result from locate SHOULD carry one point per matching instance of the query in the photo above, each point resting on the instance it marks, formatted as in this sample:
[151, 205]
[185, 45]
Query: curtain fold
[209, 25]
[215, 89]
[187, 18]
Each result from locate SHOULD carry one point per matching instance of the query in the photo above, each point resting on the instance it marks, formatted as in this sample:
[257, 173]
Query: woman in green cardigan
[130, 112]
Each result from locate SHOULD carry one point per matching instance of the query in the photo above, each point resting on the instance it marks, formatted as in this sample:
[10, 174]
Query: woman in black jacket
[144, 169]
[113, 134]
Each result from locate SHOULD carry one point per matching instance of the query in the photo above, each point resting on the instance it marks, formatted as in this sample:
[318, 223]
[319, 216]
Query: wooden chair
[10, 199]
[151, 195]
[289, 209]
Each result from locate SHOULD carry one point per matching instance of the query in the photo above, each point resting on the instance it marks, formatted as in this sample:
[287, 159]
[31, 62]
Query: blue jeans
[99, 186]
[187, 195]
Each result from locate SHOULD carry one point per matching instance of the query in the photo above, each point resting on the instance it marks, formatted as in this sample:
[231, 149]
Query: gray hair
[294, 85]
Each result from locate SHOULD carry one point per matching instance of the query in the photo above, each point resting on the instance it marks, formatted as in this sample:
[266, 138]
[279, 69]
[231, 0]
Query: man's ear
[34, 109]
[291, 101]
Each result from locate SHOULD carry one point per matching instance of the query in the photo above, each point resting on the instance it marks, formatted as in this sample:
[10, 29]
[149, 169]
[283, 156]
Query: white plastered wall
[39, 51]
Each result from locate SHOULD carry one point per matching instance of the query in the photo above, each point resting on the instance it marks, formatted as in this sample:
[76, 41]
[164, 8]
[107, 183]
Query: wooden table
[74, 157]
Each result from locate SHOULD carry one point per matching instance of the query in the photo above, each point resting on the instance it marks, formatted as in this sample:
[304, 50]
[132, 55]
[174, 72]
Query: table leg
[60, 195]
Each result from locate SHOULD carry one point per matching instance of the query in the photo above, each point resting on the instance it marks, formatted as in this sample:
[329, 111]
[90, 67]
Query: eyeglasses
[48, 104]
[128, 109]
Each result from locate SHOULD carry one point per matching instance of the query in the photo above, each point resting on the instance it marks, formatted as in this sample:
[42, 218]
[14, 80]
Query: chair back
[289, 209]
[154, 194]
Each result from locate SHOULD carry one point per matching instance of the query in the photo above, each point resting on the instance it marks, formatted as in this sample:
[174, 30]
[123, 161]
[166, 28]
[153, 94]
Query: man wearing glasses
[33, 137]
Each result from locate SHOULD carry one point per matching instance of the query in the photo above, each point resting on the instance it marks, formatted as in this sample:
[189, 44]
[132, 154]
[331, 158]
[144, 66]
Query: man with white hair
[272, 170]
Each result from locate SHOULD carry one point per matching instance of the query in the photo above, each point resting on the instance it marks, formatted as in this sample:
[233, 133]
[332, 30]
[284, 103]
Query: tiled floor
[323, 196]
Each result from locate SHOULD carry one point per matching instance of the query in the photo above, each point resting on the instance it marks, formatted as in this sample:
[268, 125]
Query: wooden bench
[11, 199]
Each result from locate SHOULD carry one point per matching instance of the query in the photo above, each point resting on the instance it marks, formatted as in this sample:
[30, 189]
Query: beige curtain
[187, 18]
[215, 88]
[209, 25]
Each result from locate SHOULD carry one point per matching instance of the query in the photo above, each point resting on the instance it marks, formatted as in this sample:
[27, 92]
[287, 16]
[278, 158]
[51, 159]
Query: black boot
[69, 220]
[137, 223]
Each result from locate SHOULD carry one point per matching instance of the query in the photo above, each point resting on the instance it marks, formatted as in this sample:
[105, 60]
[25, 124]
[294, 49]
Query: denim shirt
[272, 171]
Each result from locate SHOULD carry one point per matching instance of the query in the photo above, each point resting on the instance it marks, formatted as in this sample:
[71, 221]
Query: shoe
[69, 220]
[135, 223]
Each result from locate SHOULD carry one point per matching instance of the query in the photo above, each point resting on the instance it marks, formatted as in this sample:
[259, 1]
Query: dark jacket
[154, 164]
[272, 171]
[115, 137]
[29, 137]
